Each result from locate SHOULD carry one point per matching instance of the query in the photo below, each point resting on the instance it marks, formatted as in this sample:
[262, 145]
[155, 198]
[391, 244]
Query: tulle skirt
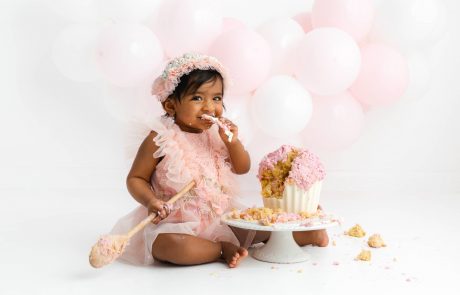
[139, 249]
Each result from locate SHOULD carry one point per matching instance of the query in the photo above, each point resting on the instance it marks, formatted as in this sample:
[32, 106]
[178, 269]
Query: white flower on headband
[164, 85]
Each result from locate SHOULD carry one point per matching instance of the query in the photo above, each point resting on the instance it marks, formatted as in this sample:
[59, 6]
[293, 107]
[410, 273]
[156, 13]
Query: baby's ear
[169, 106]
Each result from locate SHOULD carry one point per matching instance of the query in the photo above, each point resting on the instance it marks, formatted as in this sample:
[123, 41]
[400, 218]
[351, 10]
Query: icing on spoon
[220, 124]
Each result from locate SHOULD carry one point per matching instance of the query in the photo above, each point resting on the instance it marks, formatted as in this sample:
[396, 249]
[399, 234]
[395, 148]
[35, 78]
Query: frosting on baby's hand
[220, 124]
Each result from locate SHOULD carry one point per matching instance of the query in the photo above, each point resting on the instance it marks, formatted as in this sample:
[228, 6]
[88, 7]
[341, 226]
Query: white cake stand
[281, 247]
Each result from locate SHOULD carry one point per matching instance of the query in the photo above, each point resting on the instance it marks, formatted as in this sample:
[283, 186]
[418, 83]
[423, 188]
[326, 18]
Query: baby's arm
[239, 157]
[138, 180]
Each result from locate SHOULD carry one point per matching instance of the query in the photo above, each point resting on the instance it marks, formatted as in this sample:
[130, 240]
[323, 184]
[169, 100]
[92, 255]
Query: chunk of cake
[365, 255]
[356, 231]
[291, 180]
[375, 241]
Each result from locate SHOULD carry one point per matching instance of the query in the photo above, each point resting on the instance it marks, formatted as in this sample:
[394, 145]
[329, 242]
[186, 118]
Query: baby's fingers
[156, 220]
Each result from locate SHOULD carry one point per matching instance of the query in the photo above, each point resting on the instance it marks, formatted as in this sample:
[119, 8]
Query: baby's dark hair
[192, 81]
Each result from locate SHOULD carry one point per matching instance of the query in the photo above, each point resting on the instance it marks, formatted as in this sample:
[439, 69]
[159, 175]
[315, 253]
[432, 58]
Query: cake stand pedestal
[281, 247]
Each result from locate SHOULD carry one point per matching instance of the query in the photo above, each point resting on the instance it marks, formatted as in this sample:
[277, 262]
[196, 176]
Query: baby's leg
[242, 234]
[185, 249]
[313, 237]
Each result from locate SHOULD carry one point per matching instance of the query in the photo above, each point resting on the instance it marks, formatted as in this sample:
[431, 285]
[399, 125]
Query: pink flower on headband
[165, 84]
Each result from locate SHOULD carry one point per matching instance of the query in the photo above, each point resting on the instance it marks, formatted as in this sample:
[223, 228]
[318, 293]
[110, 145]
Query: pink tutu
[202, 157]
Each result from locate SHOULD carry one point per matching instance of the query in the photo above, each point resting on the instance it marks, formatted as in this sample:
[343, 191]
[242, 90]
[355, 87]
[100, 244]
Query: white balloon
[419, 76]
[74, 52]
[281, 107]
[126, 10]
[282, 35]
[128, 53]
[75, 10]
[409, 24]
[237, 110]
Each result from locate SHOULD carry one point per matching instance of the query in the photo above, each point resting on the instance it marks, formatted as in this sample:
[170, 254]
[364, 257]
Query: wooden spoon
[110, 247]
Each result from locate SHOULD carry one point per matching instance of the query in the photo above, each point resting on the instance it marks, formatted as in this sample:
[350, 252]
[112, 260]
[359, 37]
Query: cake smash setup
[291, 180]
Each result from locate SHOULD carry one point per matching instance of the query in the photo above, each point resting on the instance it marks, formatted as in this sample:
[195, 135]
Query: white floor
[46, 237]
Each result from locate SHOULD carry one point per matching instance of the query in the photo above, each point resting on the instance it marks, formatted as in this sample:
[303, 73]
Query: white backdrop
[59, 133]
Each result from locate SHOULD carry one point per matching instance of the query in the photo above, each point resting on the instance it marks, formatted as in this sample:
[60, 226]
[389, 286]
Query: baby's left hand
[233, 128]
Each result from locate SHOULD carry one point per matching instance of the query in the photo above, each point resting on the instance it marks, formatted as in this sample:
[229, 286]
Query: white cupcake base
[281, 247]
[296, 200]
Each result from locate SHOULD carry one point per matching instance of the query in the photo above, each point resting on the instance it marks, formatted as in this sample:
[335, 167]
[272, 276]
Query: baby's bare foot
[321, 239]
[233, 254]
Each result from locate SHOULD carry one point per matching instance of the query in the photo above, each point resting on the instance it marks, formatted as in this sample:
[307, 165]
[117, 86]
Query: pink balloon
[247, 57]
[230, 23]
[335, 124]
[187, 25]
[383, 78]
[304, 20]
[328, 61]
[128, 53]
[353, 16]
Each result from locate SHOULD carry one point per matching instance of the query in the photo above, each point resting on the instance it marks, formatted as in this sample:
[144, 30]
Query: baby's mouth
[207, 117]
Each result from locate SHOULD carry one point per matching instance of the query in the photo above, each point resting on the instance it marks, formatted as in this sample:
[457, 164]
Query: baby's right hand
[160, 208]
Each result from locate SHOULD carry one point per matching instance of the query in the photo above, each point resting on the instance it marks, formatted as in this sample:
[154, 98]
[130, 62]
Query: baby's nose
[208, 105]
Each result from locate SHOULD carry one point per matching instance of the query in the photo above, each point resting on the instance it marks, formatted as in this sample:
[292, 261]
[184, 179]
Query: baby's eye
[197, 98]
[218, 98]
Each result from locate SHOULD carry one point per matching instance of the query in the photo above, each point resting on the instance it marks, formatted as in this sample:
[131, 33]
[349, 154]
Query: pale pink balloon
[353, 16]
[328, 61]
[383, 78]
[187, 25]
[304, 20]
[335, 124]
[128, 53]
[283, 35]
[230, 23]
[247, 57]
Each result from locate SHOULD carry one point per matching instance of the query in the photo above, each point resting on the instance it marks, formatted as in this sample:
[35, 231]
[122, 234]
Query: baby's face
[207, 99]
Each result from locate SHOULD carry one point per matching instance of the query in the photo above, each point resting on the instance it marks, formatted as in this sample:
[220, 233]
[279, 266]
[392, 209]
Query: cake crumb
[335, 263]
[356, 231]
[300, 270]
[334, 243]
[375, 241]
[365, 255]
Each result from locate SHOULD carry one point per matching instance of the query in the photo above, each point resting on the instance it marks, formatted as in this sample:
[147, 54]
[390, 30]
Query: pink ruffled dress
[202, 157]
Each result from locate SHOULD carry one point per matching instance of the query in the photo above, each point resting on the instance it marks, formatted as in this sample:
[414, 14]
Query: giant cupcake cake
[291, 180]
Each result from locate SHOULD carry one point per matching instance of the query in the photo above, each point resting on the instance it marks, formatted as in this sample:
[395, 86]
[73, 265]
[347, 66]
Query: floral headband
[164, 85]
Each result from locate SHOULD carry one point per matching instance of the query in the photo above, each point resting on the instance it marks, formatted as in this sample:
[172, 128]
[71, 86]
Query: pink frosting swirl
[306, 168]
